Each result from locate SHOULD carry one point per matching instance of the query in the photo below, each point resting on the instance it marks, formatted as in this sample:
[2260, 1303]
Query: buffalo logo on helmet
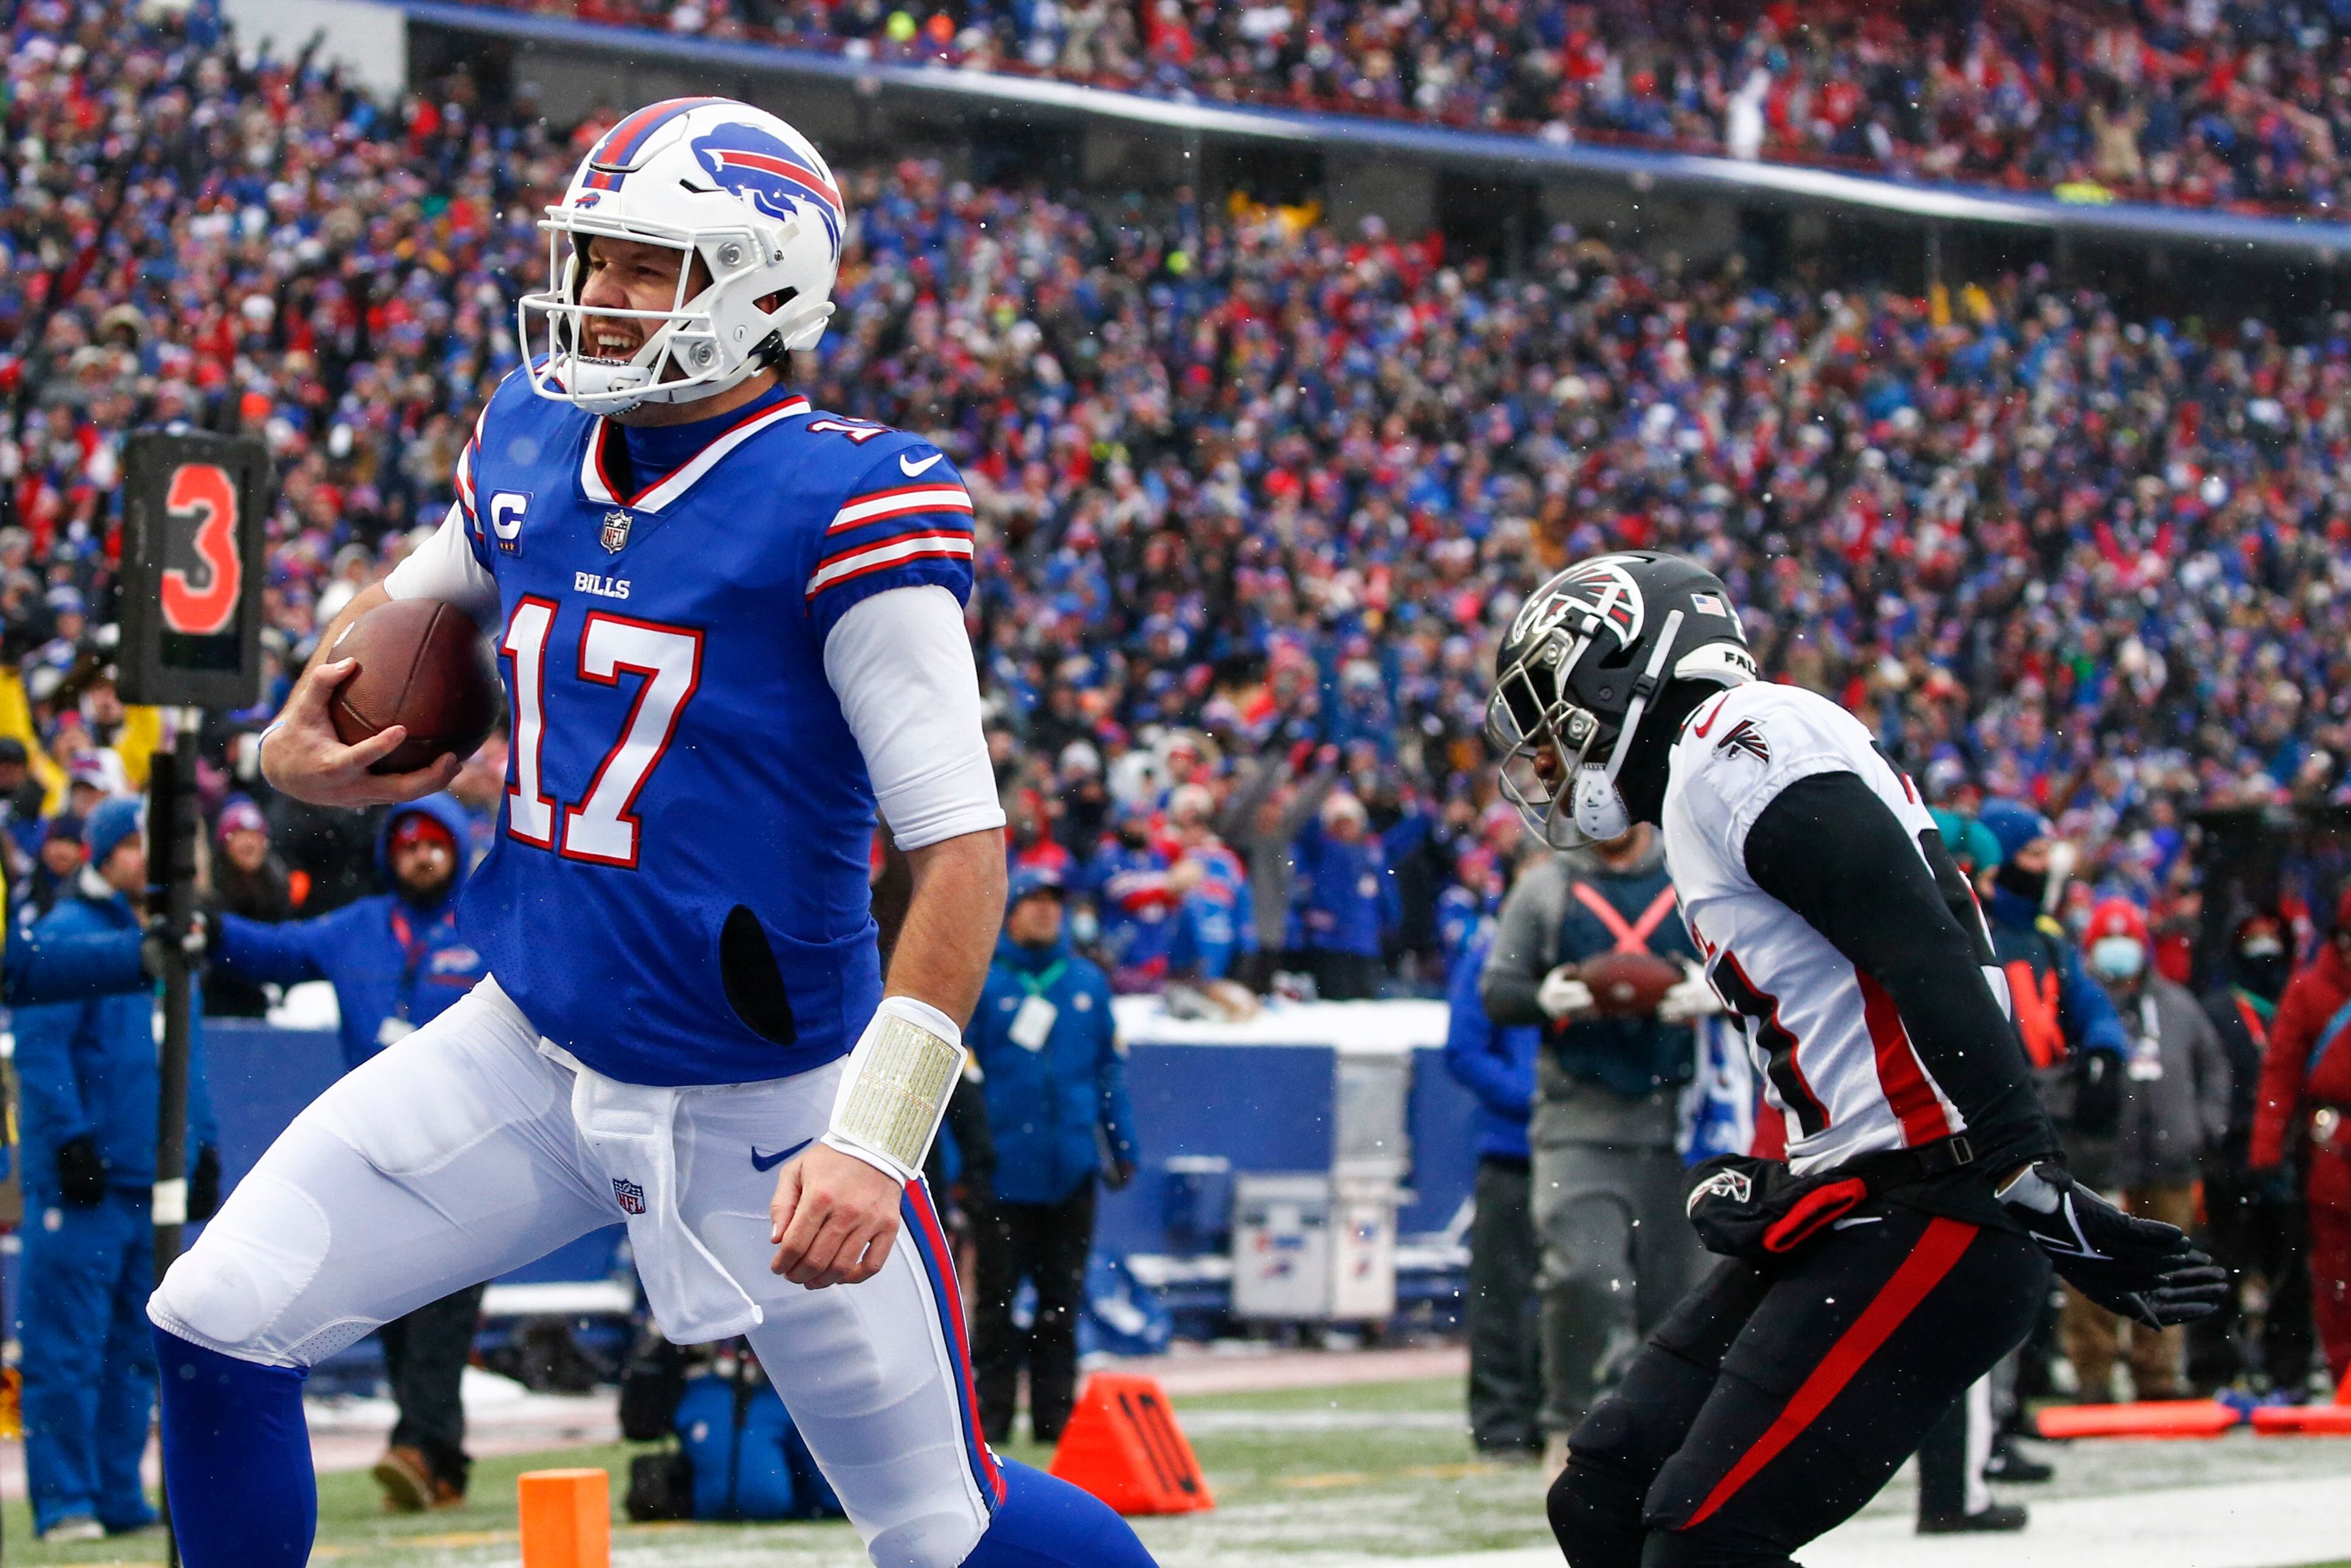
[770, 174]
[1599, 587]
[630, 1195]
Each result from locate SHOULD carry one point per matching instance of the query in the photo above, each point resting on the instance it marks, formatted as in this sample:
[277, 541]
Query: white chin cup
[1599, 806]
[603, 388]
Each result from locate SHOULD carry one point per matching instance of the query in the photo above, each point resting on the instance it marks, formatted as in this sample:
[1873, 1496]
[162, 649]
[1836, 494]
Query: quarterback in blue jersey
[731, 630]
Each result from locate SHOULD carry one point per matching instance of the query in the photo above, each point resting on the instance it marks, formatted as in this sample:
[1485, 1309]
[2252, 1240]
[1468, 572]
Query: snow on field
[2237, 1502]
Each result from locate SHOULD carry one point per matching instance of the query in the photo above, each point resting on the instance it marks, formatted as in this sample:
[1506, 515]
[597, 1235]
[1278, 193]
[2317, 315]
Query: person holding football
[1905, 1243]
[731, 629]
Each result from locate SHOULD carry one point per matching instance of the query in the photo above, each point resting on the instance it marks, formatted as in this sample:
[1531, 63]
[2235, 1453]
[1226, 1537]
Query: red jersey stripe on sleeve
[875, 506]
[922, 545]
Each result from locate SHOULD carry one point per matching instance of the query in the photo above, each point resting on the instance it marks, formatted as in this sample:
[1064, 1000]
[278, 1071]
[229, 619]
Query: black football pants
[1779, 1398]
[425, 1357]
[1048, 1244]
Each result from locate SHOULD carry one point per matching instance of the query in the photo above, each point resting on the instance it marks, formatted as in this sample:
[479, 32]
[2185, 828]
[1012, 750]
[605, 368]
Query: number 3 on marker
[602, 828]
[207, 491]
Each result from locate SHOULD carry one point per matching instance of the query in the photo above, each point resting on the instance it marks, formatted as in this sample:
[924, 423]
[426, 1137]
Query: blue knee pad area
[1047, 1523]
[236, 1458]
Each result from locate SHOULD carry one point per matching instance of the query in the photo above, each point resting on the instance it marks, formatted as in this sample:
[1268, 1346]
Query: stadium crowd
[1256, 500]
[2228, 105]
[1254, 503]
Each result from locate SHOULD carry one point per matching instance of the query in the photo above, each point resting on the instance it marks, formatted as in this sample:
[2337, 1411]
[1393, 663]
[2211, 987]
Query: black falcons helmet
[1585, 659]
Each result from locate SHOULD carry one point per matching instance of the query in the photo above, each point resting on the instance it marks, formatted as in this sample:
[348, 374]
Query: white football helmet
[714, 178]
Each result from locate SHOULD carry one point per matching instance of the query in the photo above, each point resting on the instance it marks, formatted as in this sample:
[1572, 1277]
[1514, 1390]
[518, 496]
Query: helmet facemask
[1529, 715]
[702, 346]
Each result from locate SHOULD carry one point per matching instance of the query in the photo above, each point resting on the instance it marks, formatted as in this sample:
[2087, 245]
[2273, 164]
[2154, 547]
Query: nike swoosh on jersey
[760, 1162]
[914, 470]
[1856, 1219]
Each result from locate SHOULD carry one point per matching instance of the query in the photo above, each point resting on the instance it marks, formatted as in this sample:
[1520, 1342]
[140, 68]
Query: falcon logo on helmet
[1604, 584]
[1599, 587]
[757, 219]
[1585, 661]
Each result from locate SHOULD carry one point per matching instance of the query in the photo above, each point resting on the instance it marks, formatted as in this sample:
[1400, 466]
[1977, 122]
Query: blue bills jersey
[678, 889]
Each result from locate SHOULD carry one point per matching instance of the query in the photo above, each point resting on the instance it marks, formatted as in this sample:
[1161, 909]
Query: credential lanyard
[1036, 984]
[411, 952]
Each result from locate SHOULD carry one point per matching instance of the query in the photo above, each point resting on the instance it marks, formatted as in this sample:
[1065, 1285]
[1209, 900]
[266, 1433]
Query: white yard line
[2256, 1524]
[1188, 1370]
[501, 1418]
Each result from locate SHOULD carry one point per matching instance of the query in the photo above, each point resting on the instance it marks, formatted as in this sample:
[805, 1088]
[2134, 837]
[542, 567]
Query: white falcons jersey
[1835, 1061]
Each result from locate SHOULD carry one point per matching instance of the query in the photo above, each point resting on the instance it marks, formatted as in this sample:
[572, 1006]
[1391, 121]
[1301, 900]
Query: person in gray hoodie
[1617, 1251]
[1273, 800]
[2175, 1106]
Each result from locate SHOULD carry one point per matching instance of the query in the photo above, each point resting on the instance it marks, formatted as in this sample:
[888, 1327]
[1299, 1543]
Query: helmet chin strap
[1600, 811]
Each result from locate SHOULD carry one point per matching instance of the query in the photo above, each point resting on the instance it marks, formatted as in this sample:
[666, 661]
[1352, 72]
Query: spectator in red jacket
[2306, 1106]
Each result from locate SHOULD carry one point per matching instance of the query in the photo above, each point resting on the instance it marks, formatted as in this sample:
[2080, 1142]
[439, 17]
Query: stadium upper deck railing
[2276, 237]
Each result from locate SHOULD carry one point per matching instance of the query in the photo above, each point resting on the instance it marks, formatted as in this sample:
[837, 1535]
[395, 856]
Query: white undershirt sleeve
[901, 665]
[444, 567]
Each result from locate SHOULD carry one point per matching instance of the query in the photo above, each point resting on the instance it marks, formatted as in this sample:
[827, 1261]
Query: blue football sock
[236, 1460]
[1047, 1523]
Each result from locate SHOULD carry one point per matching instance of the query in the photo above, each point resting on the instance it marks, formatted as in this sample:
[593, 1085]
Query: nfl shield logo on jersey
[631, 1195]
[616, 531]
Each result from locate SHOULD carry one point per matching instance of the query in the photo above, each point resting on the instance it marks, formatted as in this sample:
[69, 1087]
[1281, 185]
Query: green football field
[1316, 1476]
[1382, 1469]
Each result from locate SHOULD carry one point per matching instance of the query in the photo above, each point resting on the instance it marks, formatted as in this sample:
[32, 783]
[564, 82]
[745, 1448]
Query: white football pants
[453, 1158]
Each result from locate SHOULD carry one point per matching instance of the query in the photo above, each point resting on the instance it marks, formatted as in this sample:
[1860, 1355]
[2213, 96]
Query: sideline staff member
[1056, 1079]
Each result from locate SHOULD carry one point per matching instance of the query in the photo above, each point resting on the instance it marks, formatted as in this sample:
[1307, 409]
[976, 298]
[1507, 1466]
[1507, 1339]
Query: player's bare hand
[834, 1217]
[306, 758]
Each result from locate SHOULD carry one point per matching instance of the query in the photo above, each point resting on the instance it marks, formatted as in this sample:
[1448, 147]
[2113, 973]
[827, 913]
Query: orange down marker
[2153, 1419]
[566, 1519]
[1122, 1445]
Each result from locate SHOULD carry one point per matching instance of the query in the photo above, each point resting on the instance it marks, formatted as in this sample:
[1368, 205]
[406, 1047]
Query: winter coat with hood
[89, 1067]
[394, 965]
[2175, 1102]
[1056, 1109]
[2308, 1065]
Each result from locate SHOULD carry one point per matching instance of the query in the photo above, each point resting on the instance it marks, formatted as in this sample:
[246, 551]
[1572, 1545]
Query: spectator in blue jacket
[1345, 901]
[89, 1072]
[1135, 908]
[2072, 1033]
[397, 961]
[1216, 919]
[1055, 1073]
[2077, 1046]
[1497, 1064]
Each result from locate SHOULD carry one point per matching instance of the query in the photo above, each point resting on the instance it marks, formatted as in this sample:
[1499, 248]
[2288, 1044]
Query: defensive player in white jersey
[731, 625]
[1905, 1243]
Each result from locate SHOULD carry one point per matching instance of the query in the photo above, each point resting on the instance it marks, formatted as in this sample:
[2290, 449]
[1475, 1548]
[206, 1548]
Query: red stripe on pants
[1932, 1257]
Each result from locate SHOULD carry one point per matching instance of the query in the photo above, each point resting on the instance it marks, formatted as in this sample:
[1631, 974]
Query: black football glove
[2142, 1269]
[204, 1184]
[156, 945]
[81, 1173]
[2097, 1092]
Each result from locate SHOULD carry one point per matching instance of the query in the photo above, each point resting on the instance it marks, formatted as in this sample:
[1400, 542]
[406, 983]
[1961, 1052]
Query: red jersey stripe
[1899, 1075]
